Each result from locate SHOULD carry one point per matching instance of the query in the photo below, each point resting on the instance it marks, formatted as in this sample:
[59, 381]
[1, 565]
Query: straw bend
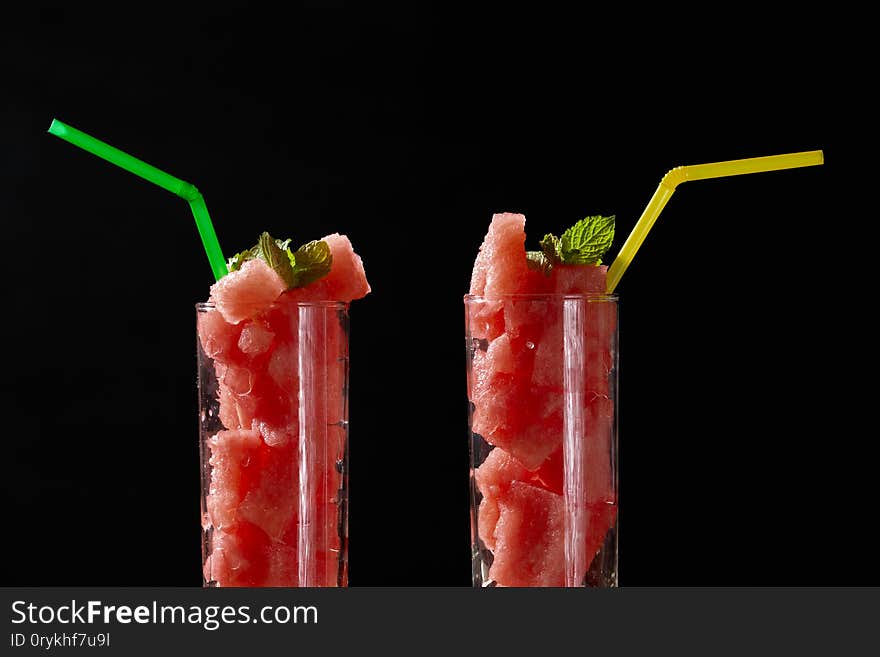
[188, 192]
[674, 177]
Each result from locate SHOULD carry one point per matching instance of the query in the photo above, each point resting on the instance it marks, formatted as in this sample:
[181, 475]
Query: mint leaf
[587, 241]
[311, 262]
[277, 259]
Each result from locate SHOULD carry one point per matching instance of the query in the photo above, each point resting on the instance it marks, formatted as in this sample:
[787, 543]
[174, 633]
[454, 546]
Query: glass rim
[204, 306]
[542, 296]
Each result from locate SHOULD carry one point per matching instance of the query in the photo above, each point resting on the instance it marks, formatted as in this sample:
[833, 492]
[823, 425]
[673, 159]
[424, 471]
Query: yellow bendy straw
[679, 175]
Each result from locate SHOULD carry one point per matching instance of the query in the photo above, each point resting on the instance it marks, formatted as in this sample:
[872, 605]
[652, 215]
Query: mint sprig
[309, 263]
[585, 243]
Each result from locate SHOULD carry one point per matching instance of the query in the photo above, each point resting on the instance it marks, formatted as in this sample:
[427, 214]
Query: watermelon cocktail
[541, 361]
[273, 371]
[541, 330]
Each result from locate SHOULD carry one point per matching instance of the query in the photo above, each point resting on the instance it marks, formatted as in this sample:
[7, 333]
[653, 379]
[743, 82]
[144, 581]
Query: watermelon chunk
[239, 556]
[486, 319]
[521, 419]
[509, 411]
[247, 292]
[255, 340]
[236, 412]
[283, 367]
[219, 338]
[500, 266]
[579, 279]
[245, 557]
[493, 479]
[496, 473]
[231, 454]
[270, 501]
[547, 371]
[530, 502]
[529, 538]
[346, 280]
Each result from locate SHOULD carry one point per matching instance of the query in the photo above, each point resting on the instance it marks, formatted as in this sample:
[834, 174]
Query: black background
[747, 446]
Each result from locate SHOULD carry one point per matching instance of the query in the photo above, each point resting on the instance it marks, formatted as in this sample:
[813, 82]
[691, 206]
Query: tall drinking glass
[542, 387]
[273, 431]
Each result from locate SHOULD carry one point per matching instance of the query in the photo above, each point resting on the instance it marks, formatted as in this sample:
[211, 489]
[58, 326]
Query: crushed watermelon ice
[251, 337]
[516, 387]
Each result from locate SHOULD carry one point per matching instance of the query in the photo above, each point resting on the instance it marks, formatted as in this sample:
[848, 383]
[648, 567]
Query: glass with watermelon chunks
[541, 338]
[273, 414]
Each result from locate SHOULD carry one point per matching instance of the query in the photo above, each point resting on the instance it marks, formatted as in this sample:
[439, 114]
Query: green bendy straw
[158, 177]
